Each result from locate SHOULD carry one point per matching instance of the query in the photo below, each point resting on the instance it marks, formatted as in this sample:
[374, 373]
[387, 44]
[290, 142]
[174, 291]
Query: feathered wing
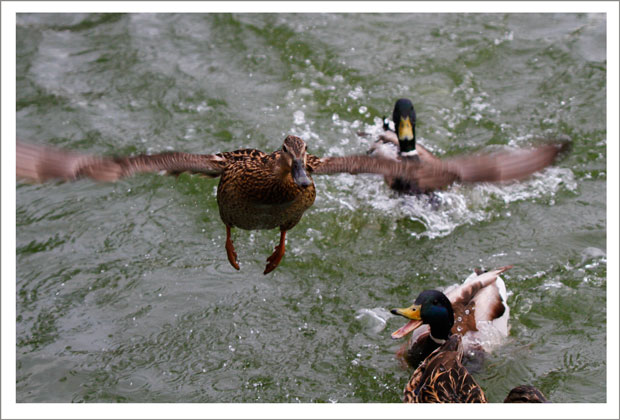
[358, 164]
[482, 293]
[430, 173]
[388, 137]
[425, 155]
[41, 163]
[493, 167]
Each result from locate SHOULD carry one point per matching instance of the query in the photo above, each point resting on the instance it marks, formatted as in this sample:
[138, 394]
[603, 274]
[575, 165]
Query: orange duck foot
[230, 250]
[275, 258]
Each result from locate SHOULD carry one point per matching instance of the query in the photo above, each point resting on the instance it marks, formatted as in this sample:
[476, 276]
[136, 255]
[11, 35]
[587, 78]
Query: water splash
[374, 319]
[458, 205]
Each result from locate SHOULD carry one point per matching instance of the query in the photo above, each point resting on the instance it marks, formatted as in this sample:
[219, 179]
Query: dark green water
[124, 292]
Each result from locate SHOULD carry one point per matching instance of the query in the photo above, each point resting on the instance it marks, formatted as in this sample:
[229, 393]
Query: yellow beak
[412, 313]
[405, 131]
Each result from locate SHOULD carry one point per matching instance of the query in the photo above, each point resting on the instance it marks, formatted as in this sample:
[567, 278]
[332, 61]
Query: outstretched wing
[358, 164]
[493, 167]
[431, 174]
[41, 163]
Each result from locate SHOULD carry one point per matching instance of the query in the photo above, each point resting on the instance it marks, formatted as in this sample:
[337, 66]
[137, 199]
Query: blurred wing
[494, 167]
[425, 155]
[357, 164]
[40, 163]
[388, 137]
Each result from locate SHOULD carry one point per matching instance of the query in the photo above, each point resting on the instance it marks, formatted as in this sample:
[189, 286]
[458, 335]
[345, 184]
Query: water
[124, 293]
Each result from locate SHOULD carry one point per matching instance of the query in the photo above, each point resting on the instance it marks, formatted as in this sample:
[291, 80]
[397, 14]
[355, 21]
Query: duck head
[293, 159]
[525, 394]
[430, 307]
[404, 124]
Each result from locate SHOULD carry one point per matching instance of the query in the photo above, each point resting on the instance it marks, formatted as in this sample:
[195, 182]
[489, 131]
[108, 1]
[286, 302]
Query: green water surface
[124, 292]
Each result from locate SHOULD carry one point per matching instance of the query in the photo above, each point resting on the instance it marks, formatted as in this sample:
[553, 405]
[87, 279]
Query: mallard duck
[441, 377]
[479, 307]
[400, 144]
[256, 190]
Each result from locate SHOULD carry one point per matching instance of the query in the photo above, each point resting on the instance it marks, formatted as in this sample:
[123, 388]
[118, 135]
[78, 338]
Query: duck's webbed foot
[275, 258]
[230, 250]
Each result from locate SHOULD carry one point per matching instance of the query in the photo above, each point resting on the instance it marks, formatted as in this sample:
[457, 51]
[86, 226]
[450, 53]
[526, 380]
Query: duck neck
[441, 327]
[407, 145]
[440, 333]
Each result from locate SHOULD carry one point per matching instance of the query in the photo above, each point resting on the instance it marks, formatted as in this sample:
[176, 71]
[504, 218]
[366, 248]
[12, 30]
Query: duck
[525, 394]
[442, 377]
[256, 190]
[401, 144]
[481, 312]
[267, 191]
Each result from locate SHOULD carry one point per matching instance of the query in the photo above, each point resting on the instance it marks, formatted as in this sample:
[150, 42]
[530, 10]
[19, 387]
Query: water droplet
[459, 329]
[459, 319]
[466, 311]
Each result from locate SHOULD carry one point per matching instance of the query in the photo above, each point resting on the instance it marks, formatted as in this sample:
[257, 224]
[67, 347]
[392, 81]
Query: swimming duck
[479, 307]
[400, 144]
[441, 377]
[256, 190]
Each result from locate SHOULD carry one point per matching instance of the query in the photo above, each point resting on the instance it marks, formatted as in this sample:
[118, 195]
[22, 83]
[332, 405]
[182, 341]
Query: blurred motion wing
[357, 164]
[41, 163]
[493, 167]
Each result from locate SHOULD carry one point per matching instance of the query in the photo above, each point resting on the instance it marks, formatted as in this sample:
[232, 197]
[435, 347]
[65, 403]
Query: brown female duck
[267, 191]
[256, 190]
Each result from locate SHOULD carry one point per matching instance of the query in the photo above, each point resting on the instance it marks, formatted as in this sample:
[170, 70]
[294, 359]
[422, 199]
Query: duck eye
[435, 302]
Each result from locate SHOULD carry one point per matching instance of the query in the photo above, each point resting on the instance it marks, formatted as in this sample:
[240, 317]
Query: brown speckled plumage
[254, 194]
[442, 378]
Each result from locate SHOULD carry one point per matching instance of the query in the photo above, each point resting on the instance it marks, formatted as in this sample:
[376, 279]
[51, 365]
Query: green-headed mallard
[401, 144]
[479, 308]
[441, 377]
[267, 191]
